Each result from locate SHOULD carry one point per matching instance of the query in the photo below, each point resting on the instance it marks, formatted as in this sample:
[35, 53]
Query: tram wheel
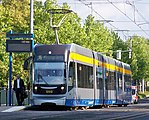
[74, 108]
[125, 105]
[119, 105]
[107, 106]
[84, 108]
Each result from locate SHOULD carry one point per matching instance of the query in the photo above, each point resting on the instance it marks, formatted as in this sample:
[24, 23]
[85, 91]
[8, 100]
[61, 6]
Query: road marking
[12, 109]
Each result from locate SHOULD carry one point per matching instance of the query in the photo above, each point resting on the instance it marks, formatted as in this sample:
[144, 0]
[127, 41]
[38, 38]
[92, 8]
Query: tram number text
[49, 91]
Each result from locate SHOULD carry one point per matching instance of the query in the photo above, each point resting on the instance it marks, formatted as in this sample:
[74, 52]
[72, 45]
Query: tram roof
[62, 48]
[81, 50]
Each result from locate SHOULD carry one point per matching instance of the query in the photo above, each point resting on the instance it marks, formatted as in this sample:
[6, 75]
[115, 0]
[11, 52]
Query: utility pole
[143, 84]
[91, 8]
[31, 16]
[10, 75]
[130, 48]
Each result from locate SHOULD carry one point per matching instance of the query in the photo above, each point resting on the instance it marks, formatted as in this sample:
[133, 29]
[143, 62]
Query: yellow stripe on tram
[78, 57]
[85, 59]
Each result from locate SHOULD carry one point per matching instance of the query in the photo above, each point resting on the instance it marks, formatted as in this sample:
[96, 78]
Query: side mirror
[26, 63]
[25, 66]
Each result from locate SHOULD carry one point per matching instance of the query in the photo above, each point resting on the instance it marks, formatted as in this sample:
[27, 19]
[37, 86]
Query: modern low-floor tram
[73, 76]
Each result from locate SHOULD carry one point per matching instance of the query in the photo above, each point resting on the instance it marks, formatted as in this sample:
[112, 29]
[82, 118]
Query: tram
[73, 76]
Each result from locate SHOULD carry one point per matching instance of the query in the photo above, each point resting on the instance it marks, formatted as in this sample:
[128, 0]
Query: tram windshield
[49, 73]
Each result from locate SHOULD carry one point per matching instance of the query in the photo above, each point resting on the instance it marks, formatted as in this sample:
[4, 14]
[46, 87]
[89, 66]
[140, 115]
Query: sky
[125, 17]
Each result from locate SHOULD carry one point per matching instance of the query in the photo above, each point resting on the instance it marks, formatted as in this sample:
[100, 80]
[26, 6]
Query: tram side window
[99, 78]
[106, 78]
[127, 83]
[113, 77]
[120, 81]
[71, 74]
[85, 76]
[111, 81]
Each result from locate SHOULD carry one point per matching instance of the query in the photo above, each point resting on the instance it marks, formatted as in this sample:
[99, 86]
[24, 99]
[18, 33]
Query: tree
[119, 44]
[14, 16]
[140, 59]
[98, 38]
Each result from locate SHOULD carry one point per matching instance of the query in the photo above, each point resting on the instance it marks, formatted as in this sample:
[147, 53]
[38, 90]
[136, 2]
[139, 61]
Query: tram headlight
[62, 87]
[35, 88]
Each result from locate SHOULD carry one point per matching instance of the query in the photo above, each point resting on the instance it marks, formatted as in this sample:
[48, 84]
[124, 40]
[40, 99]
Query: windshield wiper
[40, 77]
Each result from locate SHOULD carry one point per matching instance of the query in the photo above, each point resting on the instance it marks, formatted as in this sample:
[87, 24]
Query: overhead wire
[89, 3]
[101, 16]
[128, 17]
[127, 2]
[115, 2]
[142, 16]
[136, 10]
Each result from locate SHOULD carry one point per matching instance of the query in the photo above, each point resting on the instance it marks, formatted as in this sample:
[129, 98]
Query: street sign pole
[31, 16]
[26, 48]
[10, 75]
[10, 54]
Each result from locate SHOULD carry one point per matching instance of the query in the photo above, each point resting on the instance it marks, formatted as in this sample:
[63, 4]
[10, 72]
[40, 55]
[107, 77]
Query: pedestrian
[19, 89]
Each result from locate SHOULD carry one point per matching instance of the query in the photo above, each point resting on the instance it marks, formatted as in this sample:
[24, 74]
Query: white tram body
[71, 75]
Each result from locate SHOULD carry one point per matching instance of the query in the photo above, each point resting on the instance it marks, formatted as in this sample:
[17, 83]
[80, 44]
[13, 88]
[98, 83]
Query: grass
[143, 95]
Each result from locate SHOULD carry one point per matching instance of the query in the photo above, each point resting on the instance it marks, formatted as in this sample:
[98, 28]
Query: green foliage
[15, 15]
[119, 44]
[140, 59]
[143, 95]
[97, 38]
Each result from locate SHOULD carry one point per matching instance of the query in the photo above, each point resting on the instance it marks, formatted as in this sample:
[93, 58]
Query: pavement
[4, 108]
[11, 108]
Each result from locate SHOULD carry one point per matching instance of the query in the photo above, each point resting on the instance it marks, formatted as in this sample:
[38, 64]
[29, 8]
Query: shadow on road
[46, 108]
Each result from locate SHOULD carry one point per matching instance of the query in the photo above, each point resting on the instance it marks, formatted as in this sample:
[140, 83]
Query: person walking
[19, 89]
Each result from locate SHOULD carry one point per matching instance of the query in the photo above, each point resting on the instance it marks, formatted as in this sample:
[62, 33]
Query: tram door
[100, 81]
[111, 81]
[120, 84]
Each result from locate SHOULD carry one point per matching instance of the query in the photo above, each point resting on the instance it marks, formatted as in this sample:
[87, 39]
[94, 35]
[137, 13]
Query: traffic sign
[19, 45]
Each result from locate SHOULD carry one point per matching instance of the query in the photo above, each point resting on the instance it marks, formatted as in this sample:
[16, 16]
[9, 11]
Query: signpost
[17, 46]
[10, 74]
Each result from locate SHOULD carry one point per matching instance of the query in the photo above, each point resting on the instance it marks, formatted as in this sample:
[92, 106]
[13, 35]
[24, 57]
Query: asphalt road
[131, 112]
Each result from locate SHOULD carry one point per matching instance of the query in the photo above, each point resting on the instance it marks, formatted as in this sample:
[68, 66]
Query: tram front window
[49, 73]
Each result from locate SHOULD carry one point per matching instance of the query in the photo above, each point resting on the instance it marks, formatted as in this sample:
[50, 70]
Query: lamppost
[31, 16]
[130, 48]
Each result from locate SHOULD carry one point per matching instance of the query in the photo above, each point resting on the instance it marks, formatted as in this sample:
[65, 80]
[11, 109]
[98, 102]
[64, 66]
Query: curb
[15, 108]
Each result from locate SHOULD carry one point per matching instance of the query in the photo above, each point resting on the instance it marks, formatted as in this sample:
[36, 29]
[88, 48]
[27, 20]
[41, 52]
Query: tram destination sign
[19, 45]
